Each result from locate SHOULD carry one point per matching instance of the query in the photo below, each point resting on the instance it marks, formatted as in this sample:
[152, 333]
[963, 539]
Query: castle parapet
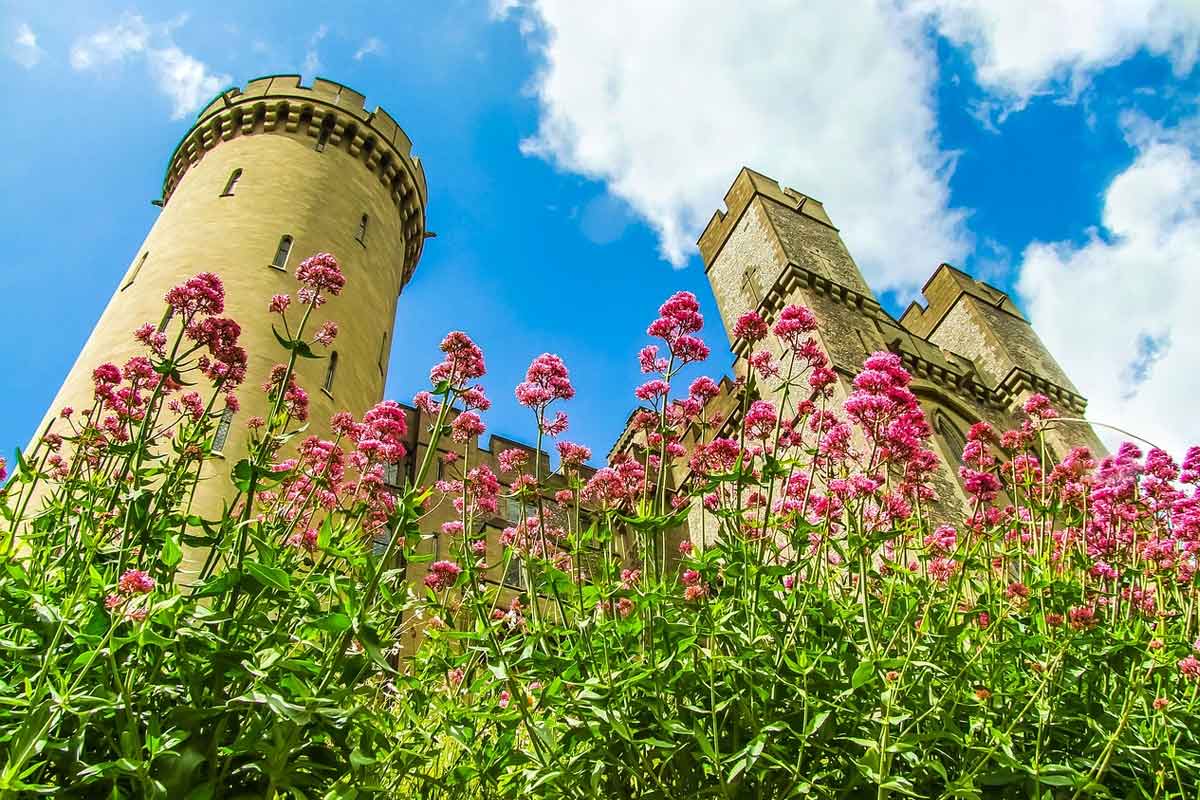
[332, 115]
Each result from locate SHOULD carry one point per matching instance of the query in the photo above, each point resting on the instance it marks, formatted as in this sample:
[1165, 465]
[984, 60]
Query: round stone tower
[267, 176]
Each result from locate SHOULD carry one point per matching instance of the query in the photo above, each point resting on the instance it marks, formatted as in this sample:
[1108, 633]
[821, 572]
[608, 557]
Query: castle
[276, 171]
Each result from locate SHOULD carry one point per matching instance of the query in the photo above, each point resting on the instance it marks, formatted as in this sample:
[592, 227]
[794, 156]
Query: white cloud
[371, 46]
[1119, 310]
[836, 102]
[128, 37]
[1024, 47]
[24, 47]
[312, 59]
[183, 78]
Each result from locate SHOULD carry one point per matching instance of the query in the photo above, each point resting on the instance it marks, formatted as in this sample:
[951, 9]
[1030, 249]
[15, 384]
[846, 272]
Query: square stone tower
[972, 354]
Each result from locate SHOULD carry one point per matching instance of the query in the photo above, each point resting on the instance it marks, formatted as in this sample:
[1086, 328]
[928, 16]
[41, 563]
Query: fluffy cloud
[1023, 47]
[183, 78]
[665, 101]
[24, 47]
[312, 58]
[1120, 310]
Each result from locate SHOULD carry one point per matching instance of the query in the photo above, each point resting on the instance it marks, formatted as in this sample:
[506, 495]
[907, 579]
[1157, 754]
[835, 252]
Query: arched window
[383, 353]
[222, 434]
[952, 436]
[362, 230]
[234, 177]
[134, 272]
[282, 253]
[330, 372]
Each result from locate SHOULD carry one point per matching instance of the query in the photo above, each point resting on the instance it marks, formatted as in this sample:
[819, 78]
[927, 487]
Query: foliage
[831, 628]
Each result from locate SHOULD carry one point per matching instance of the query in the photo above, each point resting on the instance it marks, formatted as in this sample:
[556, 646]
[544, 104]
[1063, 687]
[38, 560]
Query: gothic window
[222, 434]
[362, 230]
[382, 353]
[952, 437]
[166, 319]
[329, 372]
[234, 177]
[136, 269]
[282, 252]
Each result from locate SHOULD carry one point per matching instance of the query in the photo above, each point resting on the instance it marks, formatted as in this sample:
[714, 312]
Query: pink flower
[326, 333]
[650, 391]
[1038, 406]
[304, 540]
[474, 398]
[794, 321]
[1190, 668]
[690, 577]
[66, 413]
[203, 294]
[135, 581]
[694, 592]
[466, 426]
[513, 459]
[442, 574]
[704, 389]
[426, 402]
[387, 425]
[546, 380]
[649, 361]
[454, 677]
[572, 455]
[279, 303]
[557, 425]
[750, 327]
[624, 607]
[678, 316]
[463, 361]
[686, 547]
[1160, 703]
[942, 540]
[504, 698]
[760, 420]
[320, 273]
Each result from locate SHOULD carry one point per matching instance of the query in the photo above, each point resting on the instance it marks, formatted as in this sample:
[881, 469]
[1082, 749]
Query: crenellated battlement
[942, 291]
[746, 186]
[279, 104]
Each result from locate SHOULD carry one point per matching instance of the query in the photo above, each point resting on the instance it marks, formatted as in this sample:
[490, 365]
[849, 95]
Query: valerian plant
[825, 629]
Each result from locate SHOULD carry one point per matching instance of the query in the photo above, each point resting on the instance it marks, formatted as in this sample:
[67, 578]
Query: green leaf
[334, 622]
[862, 675]
[272, 577]
[241, 474]
[172, 553]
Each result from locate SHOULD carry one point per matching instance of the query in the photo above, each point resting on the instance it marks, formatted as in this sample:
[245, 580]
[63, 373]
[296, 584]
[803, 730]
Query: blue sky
[573, 158]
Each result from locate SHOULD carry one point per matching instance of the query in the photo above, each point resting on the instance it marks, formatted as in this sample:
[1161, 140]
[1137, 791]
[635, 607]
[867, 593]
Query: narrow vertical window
[362, 230]
[234, 177]
[222, 434]
[323, 136]
[329, 373]
[514, 576]
[134, 272]
[383, 352]
[166, 319]
[282, 253]
[391, 474]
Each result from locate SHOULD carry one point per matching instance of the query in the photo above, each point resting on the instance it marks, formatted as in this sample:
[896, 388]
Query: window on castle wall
[166, 319]
[953, 438]
[383, 352]
[323, 136]
[234, 177]
[362, 230]
[282, 252]
[330, 371]
[134, 272]
[391, 474]
[514, 576]
[222, 433]
[751, 285]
